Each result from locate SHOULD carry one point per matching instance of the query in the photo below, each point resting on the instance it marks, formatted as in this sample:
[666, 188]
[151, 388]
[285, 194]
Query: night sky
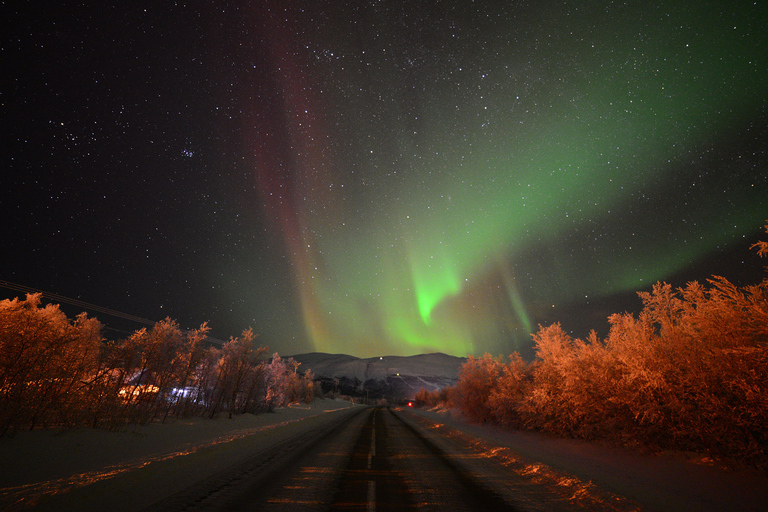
[385, 177]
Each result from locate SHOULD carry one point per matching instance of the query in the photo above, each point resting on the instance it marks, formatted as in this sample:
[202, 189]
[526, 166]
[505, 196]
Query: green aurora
[458, 175]
[382, 177]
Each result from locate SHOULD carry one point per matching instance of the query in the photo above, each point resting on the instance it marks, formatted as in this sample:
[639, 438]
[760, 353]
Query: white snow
[668, 482]
[46, 463]
[97, 470]
[340, 365]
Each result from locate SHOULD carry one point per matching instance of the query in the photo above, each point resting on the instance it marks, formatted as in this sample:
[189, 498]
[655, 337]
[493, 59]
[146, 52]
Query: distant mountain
[395, 378]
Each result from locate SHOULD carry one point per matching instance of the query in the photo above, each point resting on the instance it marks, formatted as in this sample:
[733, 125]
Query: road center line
[373, 442]
[371, 496]
[371, 455]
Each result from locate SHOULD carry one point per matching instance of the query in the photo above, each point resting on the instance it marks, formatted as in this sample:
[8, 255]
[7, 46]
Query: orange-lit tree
[61, 373]
[690, 371]
[477, 378]
[44, 361]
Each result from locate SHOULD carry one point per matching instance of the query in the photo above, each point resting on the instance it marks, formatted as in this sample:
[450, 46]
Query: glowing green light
[434, 279]
[524, 170]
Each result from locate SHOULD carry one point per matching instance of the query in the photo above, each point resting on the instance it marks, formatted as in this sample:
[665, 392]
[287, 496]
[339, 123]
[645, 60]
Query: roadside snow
[131, 469]
[667, 482]
[44, 463]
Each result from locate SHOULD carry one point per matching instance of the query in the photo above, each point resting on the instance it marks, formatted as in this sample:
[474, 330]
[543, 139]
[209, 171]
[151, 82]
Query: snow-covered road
[133, 468]
[306, 453]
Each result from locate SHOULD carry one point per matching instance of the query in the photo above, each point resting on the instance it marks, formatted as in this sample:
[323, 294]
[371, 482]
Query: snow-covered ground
[44, 464]
[341, 365]
[666, 482]
[120, 469]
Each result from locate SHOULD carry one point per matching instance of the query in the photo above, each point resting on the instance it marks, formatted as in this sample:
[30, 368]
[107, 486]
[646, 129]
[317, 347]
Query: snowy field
[96, 470]
[42, 467]
[342, 365]
[668, 482]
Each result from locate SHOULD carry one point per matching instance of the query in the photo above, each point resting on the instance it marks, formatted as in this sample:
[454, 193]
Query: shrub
[60, 373]
[44, 361]
[477, 378]
[690, 372]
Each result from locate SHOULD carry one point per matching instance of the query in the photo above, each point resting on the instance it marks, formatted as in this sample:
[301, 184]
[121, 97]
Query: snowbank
[131, 469]
[43, 463]
[666, 482]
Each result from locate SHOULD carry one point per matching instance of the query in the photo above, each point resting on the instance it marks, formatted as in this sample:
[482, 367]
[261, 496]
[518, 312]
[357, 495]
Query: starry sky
[384, 177]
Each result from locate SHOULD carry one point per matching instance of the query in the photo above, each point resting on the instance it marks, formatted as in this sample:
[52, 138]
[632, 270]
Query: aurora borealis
[393, 177]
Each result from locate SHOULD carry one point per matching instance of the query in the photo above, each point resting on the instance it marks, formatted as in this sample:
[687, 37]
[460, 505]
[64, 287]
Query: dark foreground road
[376, 459]
[365, 458]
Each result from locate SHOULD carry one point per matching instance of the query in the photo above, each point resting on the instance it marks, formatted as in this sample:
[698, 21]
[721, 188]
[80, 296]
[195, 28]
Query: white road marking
[371, 496]
[371, 455]
[373, 442]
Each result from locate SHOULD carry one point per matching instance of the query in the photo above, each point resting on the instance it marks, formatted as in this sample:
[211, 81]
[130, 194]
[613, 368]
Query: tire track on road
[292, 475]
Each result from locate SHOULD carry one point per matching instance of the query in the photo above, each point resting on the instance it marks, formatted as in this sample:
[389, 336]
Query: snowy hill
[393, 377]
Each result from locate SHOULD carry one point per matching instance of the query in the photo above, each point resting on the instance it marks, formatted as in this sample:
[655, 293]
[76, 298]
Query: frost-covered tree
[690, 371]
[44, 360]
[477, 379]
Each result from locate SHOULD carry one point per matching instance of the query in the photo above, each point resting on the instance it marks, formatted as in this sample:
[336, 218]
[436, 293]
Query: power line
[85, 305]
[76, 302]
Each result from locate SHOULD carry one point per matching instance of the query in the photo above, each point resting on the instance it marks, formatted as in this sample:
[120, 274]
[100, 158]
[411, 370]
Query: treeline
[57, 372]
[690, 372]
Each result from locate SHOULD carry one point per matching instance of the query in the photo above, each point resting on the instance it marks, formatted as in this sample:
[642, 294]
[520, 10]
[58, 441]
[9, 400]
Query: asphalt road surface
[374, 459]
